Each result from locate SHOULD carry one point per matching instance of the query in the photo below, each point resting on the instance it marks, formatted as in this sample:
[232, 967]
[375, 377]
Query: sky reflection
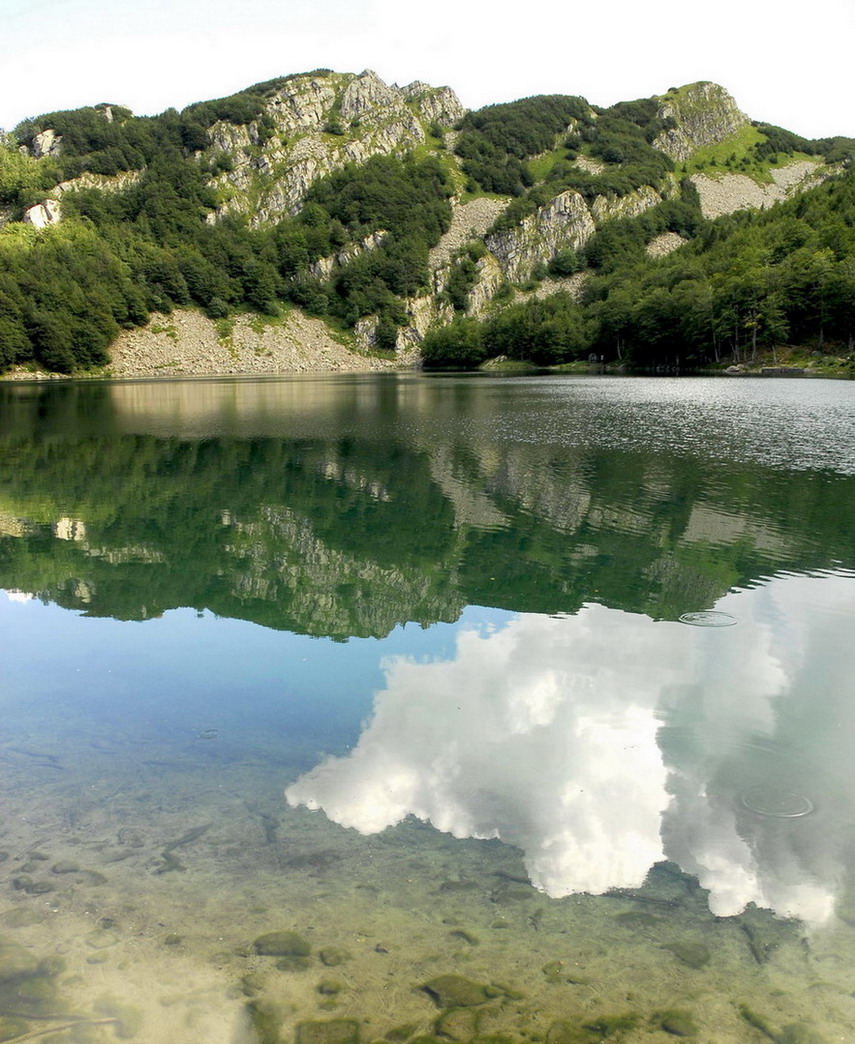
[603, 742]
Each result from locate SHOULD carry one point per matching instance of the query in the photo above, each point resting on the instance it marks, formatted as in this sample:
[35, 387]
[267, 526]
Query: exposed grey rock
[47, 143]
[727, 193]
[368, 95]
[44, 214]
[565, 223]
[303, 104]
[271, 174]
[606, 208]
[468, 221]
[490, 278]
[703, 114]
[663, 244]
[103, 182]
[322, 268]
[438, 104]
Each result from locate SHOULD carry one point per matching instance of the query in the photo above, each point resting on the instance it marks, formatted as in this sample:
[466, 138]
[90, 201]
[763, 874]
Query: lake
[340, 710]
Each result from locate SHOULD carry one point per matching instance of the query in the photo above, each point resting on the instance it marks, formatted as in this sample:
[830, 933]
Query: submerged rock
[330, 987]
[267, 1019]
[330, 1031]
[65, 866]
[695, 955]
[25, 883]
[464, 936]
[16, 963]
[459, 1024]
[678, 1023]
[282, 944]
[454, 991]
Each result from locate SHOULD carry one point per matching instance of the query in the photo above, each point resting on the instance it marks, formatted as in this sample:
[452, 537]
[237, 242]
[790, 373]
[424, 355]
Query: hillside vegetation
[328, 191]
[743, 283]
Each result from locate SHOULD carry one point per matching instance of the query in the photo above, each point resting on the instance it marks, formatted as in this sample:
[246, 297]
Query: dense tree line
[545, 332]
[63, 297]
[495, 141]
[745, 281]
[778, 141]
[107, 139]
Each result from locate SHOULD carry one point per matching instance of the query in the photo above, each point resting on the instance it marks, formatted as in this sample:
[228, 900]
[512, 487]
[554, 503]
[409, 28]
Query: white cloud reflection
[603, 742]
[18, 596]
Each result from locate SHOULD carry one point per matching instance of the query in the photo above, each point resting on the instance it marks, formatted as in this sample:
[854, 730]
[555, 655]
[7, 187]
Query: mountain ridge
[278, 196]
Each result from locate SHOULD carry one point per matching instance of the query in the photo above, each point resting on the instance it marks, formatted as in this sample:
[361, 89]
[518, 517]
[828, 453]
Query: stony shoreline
[188, 344]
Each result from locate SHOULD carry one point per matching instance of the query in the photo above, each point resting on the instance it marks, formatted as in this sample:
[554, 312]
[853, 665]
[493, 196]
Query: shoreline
[186, 344]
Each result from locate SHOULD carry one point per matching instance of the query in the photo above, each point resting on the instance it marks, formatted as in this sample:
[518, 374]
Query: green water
[524, 706]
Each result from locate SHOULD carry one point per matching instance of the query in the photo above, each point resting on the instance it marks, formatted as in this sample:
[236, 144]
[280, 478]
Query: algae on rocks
[281, 944]
[455, 991]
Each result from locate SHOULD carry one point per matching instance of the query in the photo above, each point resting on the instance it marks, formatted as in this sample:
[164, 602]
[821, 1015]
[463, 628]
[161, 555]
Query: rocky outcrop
[323, 268]
[701, 114]
[320, 123]
[44, 214]
[367, 95]
[47, 143]
[608, 208]
[435, 104]
[490, 278]
[102, 182]
[565, 223]
[303, 104]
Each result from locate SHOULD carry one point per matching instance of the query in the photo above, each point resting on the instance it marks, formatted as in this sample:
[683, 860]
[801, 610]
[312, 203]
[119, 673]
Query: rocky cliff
[316, 124]
[564, 223]
[701, 114]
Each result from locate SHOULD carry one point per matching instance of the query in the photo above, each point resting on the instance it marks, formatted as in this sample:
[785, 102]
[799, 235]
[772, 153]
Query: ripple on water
[708, 618]
[782, 804]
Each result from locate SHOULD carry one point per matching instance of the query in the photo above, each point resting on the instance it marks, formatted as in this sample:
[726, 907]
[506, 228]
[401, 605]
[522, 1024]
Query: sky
[783, 67]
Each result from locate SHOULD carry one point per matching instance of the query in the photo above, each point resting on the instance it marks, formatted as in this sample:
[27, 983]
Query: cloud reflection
[604, 742]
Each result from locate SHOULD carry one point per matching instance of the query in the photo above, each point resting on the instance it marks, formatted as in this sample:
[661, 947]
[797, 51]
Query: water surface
[431, 673]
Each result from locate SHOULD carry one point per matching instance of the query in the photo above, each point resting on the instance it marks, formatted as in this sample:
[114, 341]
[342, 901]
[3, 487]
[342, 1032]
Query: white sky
[792, 69]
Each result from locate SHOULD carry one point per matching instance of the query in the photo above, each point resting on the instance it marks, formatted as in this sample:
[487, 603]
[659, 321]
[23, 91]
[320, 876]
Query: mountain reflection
[604, 742]
[344, 509]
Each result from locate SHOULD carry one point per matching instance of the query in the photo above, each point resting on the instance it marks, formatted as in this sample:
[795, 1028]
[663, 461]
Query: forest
[744, 282]
[738, 285]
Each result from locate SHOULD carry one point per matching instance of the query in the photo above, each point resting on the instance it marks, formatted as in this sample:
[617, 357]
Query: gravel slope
[189, 344]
